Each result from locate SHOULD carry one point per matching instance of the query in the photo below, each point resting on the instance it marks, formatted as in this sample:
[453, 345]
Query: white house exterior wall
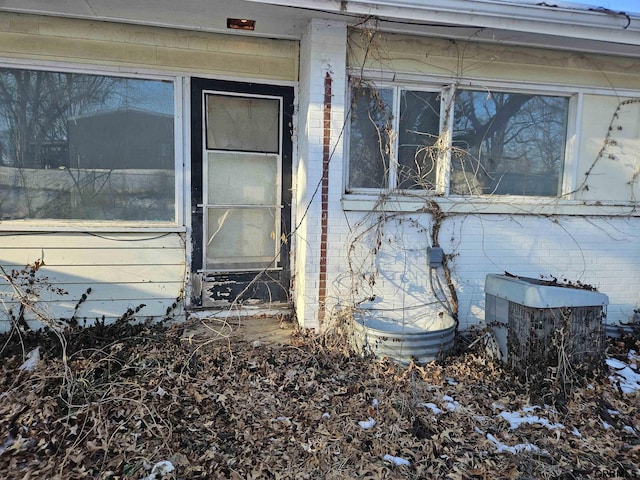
[591, 237]
[125, 264]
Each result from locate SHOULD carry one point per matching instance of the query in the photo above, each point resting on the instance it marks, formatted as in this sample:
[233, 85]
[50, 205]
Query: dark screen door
[241, 192]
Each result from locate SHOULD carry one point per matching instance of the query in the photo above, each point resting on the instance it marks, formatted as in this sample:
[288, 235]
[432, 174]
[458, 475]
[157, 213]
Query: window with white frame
[75, 146]
[470, 142]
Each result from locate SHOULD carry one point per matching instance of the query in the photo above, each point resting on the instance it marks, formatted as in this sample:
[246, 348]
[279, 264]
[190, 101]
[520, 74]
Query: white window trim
[362, 199]
[443, 175]
[572, 153]
[73, 225]
[505, 205]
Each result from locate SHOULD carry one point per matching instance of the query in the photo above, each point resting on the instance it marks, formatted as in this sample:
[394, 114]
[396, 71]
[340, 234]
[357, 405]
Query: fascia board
[584, 23]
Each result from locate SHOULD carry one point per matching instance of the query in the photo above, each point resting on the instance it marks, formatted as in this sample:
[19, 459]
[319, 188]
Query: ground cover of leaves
[241, 409]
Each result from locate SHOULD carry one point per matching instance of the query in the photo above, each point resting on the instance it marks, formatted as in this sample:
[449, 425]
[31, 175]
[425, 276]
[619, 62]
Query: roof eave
[588, 23]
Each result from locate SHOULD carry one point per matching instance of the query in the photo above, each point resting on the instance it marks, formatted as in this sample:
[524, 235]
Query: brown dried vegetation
[224, 406]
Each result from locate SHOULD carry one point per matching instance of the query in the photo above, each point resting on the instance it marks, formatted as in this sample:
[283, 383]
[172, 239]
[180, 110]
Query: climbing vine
[440, 167]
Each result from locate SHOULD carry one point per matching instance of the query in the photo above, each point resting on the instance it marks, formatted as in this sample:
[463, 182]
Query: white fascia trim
[524, 18]
[559, 21]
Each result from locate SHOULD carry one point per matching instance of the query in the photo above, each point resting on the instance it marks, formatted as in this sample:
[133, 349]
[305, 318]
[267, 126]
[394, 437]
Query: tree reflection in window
[77, 146]
[508, 143]
[418, 130]
[369, 141]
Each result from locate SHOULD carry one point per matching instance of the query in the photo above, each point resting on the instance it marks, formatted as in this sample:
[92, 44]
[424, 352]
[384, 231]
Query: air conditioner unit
[539, 323]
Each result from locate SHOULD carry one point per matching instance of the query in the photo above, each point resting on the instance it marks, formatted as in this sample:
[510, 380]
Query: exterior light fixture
[241, 24]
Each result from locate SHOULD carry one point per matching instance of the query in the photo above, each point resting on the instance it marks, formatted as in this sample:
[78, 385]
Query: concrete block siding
[602, 252]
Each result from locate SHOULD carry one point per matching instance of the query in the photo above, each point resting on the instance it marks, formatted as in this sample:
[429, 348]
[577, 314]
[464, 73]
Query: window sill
[88, 226]
[505, 205]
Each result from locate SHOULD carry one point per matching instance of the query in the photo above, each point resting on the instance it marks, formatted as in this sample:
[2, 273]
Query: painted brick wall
[599, 251]
[322, 52]
[603, 251]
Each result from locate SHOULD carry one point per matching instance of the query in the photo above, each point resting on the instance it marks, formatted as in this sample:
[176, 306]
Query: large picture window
[86, 147]
[508, 143]
[490, 142]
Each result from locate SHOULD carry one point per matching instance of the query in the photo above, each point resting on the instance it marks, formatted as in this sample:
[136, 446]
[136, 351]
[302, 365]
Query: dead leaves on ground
[242, 411]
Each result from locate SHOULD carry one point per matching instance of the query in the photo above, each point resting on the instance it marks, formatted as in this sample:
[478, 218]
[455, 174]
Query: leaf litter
[149, 402]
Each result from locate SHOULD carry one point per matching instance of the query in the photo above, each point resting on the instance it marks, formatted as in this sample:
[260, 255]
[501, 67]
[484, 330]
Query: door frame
[222, 289]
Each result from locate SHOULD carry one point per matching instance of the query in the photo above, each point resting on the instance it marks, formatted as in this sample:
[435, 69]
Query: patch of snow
[625, 375]
[432, 406]
[616, 364]
[33, 357]
[160, 469]
[451, 381]
[367, 424]
[629, 429]
[520, 447]
[515, 420]
[374, 402]
[606, 425]
[398, 461]
[284, 420]
[612, 412]
[576, 433]
[453, 406]
[450, 404]
[498, 406]
[326, 415]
